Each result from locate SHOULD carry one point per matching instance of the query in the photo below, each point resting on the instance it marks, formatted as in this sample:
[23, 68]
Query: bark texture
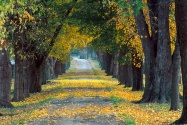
[149, 46]
[137, 78]
[176, 63]
[19, 82]
[157, 51]
[5, 79]
[163, 75]
[181, 19]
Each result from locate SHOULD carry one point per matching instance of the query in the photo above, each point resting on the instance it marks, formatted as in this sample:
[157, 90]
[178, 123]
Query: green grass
[129, 121]
[116, 100]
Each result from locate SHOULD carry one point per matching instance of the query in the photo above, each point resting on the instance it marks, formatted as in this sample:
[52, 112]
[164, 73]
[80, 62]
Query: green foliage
[5, 8]
[95, 18]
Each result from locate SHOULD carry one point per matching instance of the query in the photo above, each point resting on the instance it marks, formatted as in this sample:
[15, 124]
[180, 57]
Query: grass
[129, 121]
[116, 100]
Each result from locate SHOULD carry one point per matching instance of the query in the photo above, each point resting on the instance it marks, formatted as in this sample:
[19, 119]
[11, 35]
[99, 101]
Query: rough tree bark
[156, 48]
[163, 74]
[137, 78]
[149, 46]
[181, 19]
[176, 63]
[27, 77]
[125, 75]
[5, 79]
[19, 82]
[36, 70]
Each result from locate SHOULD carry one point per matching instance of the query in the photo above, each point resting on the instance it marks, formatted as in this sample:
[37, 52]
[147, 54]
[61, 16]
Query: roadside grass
[129, 121]
[35, 107]
[116, 100]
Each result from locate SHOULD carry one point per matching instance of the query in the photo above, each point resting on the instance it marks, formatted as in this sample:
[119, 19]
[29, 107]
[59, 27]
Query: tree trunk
[111, 65]
[156, 50]
[122, 74]
[149, 46]
[106, 63]
[19, 82]
[181, 19]
[5, 79]
[176, 63]
[47, 68]
[63, 68]
[58, 68]
[162, 87]
[129, 75]
[149, 49]
[100, 59]
[52, 62]
[116, 67]
[43, 74]
[137, 78]
[27, 78]
[36, 68]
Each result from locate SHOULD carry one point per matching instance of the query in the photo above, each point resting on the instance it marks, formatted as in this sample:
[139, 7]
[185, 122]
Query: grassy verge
[116, 100]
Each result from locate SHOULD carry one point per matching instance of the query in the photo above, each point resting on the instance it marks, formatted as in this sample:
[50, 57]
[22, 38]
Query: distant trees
[114, 35]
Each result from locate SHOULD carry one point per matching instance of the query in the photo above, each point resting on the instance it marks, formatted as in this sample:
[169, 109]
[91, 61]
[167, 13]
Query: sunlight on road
[83, 64]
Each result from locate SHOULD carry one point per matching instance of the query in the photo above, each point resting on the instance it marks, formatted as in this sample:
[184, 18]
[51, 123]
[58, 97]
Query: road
[90, 106]
[83, 64]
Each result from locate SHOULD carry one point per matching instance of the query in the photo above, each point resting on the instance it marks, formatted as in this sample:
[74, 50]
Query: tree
[148, 44]
[156, 49]
[163, 72]
[176, 61]
[181, 18]
[5, 66]
[33, 23]
[5, 79]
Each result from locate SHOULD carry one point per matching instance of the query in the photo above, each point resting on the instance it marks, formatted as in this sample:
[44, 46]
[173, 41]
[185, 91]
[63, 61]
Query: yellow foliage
[172, 26]
[129, 36]
[70, 38]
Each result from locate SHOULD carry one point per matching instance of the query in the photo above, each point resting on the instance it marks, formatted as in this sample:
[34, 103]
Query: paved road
[75, 103]
[78, 103]
[83, 64]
